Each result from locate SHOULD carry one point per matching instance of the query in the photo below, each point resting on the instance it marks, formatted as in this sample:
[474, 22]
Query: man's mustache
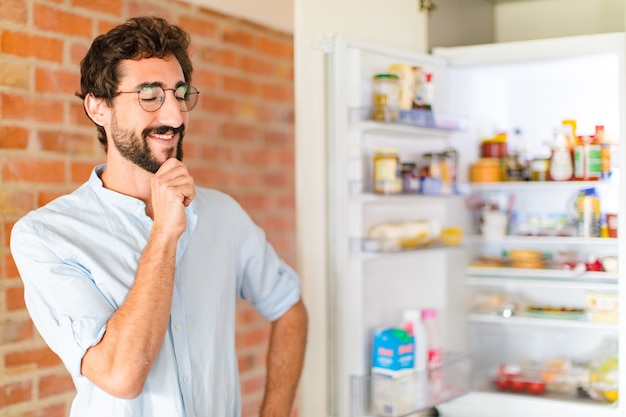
[161, 130]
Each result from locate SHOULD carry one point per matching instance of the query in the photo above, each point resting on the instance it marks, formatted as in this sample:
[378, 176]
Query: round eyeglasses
[151, 97]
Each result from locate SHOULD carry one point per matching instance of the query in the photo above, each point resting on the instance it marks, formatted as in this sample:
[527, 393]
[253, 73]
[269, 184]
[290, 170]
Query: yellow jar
[385, 97]
[387, 173]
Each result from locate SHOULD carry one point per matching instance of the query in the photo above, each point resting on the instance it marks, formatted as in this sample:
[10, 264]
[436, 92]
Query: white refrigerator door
[478, 85]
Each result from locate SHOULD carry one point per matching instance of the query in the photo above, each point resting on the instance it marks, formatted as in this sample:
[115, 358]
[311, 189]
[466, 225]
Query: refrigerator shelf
[542, 274]
[582, 283]
[538, 185]
[524, 320]
[547, 240]
[410, 122]
[406, 394]
[378, 247]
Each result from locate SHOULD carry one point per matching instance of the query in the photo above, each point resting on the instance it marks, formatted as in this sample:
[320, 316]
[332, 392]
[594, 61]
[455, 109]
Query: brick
[31, 46]
[15, 393]
[78, 51]
[217, 56]
[113, 7]
[14, 11]
[275, 48]
[252, 384]
[15, 299]
[72, 143]
[15, 202]
[238, 132]
[13, 137]
[10, 269]
[16, 330]
[56, 81]
[238, 178]
[46, 197]
[15, 74]
[259, 66]
[206, 176]
[31, 108]
[282, 140]
[53, 19]
[245, 363]
[198, 27]
[77, 116]
[55, 384]
[143, 8]
[240, 85]
[80, 171]
[204, 80]
[277, 93]
[218, 105]
[42, 358]
[231, 35]
[33, 170]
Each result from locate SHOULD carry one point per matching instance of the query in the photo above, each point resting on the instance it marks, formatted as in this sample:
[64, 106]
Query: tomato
[503, 383]
[536, 387]
[518, 385]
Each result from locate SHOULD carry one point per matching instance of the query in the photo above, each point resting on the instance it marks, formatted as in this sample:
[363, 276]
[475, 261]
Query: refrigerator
[526, 90]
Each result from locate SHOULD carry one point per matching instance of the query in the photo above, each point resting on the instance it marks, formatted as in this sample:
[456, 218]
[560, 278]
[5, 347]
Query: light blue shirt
[77, 257]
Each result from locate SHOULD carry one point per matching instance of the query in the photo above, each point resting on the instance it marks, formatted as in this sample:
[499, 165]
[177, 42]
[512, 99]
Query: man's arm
[284, 361]
[121, 361]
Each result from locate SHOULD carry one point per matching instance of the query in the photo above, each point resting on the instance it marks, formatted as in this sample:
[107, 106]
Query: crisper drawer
[387, 396]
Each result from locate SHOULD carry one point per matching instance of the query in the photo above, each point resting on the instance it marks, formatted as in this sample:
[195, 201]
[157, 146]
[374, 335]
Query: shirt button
[185, 379]
[179, 326]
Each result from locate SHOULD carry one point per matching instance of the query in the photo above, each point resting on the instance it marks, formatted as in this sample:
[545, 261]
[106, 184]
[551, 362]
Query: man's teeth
[164, 137]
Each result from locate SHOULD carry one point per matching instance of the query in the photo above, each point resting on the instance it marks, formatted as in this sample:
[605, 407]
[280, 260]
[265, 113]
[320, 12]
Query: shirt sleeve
[265, 280]
[65, 305]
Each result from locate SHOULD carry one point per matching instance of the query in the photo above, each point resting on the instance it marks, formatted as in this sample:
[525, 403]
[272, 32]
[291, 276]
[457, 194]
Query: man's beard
[136, 149]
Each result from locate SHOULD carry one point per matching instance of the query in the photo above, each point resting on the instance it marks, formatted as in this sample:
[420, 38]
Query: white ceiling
[276, 14]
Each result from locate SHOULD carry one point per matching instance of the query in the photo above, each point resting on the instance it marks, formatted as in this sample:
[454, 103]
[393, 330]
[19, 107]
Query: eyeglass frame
[142, 86]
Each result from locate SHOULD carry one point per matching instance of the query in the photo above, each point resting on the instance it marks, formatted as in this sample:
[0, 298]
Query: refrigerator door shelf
[412, 122]
[411, 392]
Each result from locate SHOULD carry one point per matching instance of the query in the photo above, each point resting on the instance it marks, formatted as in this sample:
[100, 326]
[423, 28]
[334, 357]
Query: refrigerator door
[370, 287]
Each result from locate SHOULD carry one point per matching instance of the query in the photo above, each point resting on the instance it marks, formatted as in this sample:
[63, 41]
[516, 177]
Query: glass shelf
[548, 240]
[525, 320]
[541, 274]
[410, 122]
[387, 396]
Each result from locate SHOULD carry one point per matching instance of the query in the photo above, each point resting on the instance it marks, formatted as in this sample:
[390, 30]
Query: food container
[485, 170]
[494, 148]
[387, 174]
[385, 97]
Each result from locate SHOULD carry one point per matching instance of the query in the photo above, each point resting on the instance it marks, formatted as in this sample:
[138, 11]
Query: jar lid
[386, 75]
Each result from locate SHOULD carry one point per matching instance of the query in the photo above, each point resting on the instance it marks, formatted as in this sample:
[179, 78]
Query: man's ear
[96, 109]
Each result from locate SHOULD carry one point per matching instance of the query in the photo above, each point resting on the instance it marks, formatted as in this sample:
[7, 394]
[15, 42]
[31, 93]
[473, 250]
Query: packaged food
[385, 97]
[387, 174]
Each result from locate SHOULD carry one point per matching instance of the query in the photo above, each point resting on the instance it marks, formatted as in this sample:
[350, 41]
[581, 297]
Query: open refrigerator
[523, 87]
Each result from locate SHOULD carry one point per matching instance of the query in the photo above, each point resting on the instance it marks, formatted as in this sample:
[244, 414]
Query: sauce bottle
[561, 162]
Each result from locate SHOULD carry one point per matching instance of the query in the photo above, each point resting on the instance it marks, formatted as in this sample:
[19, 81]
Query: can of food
[385, 97]
[387, 173]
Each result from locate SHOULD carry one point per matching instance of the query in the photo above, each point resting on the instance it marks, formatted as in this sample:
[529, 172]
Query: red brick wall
[240, 140]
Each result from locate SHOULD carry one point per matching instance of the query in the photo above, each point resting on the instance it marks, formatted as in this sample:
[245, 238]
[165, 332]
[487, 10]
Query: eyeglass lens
[151, 97]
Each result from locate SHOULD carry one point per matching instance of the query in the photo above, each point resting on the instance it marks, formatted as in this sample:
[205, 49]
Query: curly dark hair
[137, 38]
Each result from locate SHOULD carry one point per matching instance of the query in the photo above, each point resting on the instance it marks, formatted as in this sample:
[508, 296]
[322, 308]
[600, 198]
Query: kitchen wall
[240, 140]
[555, 18]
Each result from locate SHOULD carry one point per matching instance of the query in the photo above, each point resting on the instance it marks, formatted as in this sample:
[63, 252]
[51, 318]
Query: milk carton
[393, 373]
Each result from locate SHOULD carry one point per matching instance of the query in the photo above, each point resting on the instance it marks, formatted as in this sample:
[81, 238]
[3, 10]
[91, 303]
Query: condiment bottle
[561, 163]
[605, 153]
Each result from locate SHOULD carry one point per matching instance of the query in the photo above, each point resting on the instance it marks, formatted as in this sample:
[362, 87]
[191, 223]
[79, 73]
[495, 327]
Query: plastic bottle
[561, 163]
[412, 323]
[605, 153]
[435, 346]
